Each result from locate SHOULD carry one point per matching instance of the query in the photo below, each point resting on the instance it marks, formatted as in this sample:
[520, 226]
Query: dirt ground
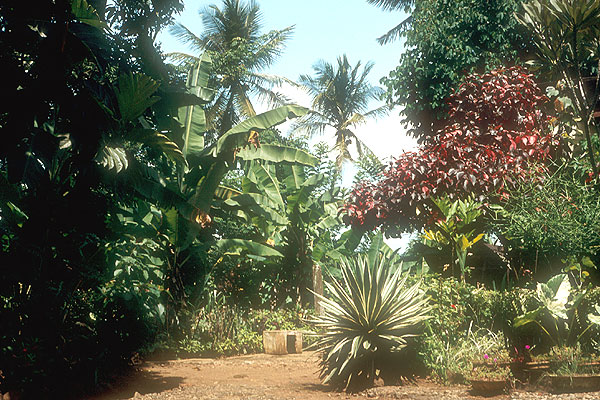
[268, 377]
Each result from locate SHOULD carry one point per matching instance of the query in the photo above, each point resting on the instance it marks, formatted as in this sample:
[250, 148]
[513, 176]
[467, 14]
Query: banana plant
[293, 214]
[188, 194]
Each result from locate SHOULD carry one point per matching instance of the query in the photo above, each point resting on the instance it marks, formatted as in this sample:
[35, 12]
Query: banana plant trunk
[317, 287]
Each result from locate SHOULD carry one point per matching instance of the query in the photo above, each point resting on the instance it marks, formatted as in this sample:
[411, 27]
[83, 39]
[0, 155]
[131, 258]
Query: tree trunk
[317, 284]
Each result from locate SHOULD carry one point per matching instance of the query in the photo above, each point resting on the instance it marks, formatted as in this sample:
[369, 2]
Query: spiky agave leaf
[370, 315]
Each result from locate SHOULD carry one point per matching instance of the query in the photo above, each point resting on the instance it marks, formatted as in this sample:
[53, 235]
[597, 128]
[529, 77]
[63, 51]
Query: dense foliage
[232, 36]
[495, 130]
[446, 40]
[552, 220]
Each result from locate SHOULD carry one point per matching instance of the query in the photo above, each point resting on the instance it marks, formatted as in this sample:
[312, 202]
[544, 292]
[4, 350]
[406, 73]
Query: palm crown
[341, 96]
[232, 34]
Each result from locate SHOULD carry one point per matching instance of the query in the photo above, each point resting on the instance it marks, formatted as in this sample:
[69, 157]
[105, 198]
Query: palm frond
[186, 36]
[394, 33]
[392, 5]
[183, 58]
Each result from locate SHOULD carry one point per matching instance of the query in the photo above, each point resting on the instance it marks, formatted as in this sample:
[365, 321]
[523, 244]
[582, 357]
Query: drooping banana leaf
[85, 13]
[237, 137]
[267, 184]
[225, 193]
[208, 185]
[158, 141]
[238, 246]
[294, 176]
[277, 154]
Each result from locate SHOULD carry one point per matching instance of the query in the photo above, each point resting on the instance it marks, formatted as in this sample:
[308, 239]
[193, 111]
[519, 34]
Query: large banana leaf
[225, 193]
[277, 154]
[237, 137]
[208, 185]
[85, 13]
[193, 117]
[294, 176]
[266, 183]
[158, 141]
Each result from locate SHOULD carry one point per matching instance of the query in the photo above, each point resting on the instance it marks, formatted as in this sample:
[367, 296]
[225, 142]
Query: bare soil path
[268, 377]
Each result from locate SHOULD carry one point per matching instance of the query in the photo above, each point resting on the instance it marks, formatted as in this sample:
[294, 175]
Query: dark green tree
[446, 40]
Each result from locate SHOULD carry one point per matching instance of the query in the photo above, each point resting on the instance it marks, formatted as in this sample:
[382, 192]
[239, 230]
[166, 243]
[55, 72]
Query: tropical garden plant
[558, 315]
[445, 41]
[495, 132]
[567, 51]
[295, 217]
[457, 228]
[369, 317]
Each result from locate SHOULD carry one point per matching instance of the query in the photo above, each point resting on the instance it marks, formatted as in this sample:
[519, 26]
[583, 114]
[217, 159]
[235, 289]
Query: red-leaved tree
[495, 129]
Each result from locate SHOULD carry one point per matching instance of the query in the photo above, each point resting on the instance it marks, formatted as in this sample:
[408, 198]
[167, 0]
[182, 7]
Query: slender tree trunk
[317, 287]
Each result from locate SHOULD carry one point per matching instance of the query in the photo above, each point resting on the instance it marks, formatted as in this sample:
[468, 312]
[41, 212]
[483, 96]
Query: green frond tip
[368, 317]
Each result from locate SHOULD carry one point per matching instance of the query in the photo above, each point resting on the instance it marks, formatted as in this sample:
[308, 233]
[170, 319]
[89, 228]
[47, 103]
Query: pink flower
[527, 347]
[495, 360]
[486, 356]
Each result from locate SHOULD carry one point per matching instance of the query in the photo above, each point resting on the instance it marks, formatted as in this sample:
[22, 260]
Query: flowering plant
[493, 367]
[490, 372]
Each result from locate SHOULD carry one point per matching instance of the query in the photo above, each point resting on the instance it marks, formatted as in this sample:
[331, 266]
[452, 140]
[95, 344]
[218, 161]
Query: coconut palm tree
[232, 36]
[340, 97]
[394, 5]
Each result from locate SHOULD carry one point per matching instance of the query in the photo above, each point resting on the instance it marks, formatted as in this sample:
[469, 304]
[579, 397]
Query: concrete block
[282, 342]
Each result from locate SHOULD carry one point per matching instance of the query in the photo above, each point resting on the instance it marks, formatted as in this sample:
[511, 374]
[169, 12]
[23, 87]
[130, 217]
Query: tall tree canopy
[341, 96]
[445, 40]
[240, 52]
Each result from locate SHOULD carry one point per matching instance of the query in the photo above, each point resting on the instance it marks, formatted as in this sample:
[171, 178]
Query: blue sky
[325, 29]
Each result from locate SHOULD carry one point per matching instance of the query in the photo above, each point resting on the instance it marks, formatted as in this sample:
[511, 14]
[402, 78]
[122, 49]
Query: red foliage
[495, 128]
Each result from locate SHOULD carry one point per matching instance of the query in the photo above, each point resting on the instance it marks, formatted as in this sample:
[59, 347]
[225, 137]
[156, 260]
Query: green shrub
[220, 329]
[451, 359]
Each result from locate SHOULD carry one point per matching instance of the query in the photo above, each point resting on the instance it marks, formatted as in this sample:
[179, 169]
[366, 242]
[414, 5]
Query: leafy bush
[367, 321]
[220, 329]
[556, 217]
[452, 359]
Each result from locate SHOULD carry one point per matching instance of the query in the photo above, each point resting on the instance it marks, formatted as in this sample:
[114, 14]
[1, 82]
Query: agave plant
[367, 320]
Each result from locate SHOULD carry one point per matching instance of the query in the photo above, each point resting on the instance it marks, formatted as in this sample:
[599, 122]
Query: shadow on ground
[142, 382]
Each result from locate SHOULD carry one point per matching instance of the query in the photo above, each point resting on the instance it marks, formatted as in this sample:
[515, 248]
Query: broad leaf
[193, 117]
[277, 154]
[237, 137]
[554, 295]
[158, 141]
[527, 318]
[86, 14]
[240, 246]
[135, 93]
[113, 158]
